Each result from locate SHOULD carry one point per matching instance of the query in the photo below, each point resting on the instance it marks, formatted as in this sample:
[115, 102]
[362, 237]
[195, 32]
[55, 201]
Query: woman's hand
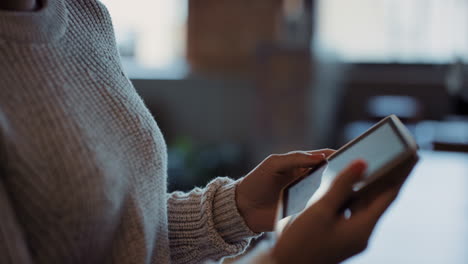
[258, 193]
[324, 234]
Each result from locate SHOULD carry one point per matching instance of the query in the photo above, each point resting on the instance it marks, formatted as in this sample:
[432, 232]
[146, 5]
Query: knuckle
[272, 158]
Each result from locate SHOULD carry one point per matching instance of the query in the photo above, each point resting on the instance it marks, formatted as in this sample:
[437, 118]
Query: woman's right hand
[322, 233]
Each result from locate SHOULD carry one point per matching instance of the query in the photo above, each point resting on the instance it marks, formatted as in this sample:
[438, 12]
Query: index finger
[341, 189]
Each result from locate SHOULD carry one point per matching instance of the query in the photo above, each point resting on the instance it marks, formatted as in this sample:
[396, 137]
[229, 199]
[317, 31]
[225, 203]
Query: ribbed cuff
[205, 223]
[227, 218]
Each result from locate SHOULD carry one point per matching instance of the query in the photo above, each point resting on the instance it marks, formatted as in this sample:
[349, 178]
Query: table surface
[428, 223]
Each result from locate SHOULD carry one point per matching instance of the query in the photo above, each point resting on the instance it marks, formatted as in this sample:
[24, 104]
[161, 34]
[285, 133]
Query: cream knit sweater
[84, 164]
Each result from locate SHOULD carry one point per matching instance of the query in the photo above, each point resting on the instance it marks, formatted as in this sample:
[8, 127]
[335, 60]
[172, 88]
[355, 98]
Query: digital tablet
[384, 146]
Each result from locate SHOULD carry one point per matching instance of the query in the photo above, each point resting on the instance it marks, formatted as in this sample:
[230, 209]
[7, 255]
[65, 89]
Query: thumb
[294, 160]
[341, 189]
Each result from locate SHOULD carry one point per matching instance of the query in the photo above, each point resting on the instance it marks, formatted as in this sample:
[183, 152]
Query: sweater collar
[47, 24]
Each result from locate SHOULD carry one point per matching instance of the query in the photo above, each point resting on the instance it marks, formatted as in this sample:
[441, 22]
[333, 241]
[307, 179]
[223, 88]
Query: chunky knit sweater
[83, 163]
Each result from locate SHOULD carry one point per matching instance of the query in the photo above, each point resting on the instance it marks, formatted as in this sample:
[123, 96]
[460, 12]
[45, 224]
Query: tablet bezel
[400, 130]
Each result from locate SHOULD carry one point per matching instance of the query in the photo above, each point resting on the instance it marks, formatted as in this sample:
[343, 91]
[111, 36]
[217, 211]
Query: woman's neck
[19, 5]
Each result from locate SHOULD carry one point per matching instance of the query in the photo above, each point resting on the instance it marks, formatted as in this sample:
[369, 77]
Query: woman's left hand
[258, 193]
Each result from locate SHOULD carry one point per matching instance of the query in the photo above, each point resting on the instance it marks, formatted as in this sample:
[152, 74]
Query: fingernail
[360, 166]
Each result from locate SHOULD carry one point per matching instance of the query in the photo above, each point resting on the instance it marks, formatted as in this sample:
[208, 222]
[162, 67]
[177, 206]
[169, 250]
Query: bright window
[150, 36]
[403, 31]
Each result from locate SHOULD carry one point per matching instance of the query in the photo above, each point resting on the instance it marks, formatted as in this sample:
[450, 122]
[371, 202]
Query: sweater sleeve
[206, 224]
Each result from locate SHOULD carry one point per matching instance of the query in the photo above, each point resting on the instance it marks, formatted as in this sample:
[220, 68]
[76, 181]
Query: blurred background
[231, 81]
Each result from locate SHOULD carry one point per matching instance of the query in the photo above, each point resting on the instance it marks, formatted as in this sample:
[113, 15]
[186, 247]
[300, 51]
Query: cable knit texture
[83, 162]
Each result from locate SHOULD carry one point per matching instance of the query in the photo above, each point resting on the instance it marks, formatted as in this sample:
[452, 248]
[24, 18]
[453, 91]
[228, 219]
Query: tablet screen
[377, 149]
